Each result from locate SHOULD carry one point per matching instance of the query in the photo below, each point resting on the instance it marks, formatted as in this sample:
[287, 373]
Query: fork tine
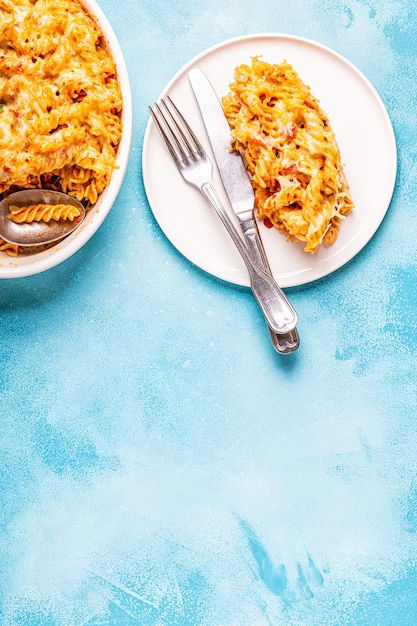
[162, 125]
[195, 145]
[176, 132]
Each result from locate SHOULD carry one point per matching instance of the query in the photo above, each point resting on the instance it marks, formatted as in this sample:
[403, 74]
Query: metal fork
[196, 169]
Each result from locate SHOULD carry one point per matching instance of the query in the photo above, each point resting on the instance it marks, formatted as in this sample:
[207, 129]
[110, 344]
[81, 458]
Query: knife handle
[253, 239]
[278, 312]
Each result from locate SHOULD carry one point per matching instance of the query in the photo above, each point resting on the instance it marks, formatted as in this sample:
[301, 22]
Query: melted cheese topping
[290, 150]
[60, 101]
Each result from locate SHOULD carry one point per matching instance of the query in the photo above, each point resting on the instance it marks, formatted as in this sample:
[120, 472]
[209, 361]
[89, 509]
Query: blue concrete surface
[160, 465]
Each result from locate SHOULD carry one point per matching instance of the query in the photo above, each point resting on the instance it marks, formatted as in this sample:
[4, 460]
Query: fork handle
[277, 310]
[284, 343]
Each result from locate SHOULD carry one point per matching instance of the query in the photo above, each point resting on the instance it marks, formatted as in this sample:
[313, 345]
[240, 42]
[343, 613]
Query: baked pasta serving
[291, 152]
[60, 101]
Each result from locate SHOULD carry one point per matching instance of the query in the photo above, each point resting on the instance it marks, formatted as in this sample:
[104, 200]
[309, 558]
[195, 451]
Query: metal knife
[239, 191]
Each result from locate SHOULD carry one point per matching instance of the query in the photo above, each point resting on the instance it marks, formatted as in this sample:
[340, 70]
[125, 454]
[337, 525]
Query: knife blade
[239, 190]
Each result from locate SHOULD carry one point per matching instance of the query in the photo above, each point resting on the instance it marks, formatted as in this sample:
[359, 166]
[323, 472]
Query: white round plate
[363, 131]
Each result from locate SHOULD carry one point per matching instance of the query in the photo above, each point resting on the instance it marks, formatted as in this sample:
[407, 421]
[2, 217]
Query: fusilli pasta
[60, 100]
[291, 152]
[43, 212]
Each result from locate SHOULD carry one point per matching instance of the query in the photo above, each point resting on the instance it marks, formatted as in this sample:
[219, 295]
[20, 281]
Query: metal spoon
[34, 233]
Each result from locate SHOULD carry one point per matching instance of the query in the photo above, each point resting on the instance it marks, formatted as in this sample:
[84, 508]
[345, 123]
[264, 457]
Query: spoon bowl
[36, 233]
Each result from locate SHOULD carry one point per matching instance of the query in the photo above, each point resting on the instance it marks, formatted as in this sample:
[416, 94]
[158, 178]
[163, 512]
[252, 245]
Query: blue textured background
[160, 465]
